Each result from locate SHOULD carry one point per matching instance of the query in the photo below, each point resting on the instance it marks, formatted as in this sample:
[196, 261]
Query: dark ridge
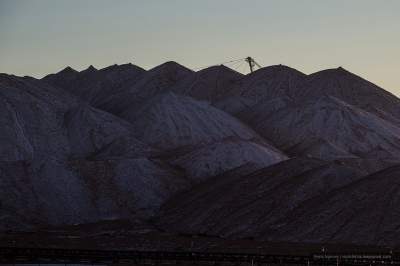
[340, 77]
[276, 69]
[171, 65]
[66, 70]
[334, 72]
[110, 67]
[123, 67]
[91, 68]
[221, 68]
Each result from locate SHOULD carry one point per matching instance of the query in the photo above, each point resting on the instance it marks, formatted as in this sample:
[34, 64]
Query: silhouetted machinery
[252, 63]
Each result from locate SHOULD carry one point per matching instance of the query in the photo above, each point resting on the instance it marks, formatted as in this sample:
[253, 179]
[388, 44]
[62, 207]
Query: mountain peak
[219, 68]
[67, 70]
[171, 65]
[276, 69]
[333, 72]
[91, 68]
[122, 67]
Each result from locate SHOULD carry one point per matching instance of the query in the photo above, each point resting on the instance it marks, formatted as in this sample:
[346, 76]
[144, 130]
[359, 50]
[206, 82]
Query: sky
[38, 37]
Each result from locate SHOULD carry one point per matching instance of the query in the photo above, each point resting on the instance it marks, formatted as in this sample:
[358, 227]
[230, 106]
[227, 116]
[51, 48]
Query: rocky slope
[208, 84]
[281, 81]
[202, 162]
[169, 121]
[264, 84]
[96, 86]
[157, 80]
[213, 140]
[44, 129]
[353, 90]
[36, 194]
[260, 204]
[329, 124]
[42, 121]
[276, 155]
[362, 212]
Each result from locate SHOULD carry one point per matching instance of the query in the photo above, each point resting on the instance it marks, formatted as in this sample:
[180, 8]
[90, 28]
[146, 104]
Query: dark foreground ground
[122, 235]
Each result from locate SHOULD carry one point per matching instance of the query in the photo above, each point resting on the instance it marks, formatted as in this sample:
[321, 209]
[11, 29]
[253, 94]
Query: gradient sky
[43, 36]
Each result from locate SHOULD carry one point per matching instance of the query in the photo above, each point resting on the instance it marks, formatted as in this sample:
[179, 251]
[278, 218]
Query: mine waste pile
[170, 154]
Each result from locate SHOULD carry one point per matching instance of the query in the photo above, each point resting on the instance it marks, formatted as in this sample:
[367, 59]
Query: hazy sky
[43, 36]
